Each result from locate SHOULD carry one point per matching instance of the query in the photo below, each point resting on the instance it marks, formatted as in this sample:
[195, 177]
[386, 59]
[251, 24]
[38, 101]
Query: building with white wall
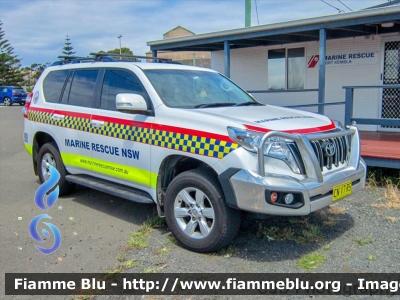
[309, 61]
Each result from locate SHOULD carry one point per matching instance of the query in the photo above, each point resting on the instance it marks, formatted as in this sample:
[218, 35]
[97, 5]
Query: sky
[37, 29]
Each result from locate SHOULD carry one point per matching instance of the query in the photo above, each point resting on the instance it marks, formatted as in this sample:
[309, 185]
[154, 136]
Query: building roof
[359, 23]
[179, 27]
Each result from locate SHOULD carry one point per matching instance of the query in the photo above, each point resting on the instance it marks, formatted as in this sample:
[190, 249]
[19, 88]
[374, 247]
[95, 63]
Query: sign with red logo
[313, 61]
[356, 58]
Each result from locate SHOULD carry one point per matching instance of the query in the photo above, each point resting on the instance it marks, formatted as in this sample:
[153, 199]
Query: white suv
[189, 140]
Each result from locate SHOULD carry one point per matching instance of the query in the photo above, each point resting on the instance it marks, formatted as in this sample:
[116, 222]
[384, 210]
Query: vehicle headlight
[274, 147]
[245, 138]
[338, 124]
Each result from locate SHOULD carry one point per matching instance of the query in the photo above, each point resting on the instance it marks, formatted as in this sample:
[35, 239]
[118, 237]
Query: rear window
[53, 85]
[82, 88]
[18, 90]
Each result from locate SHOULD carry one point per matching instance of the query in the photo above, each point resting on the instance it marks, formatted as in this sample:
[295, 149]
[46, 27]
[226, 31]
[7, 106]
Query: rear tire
[49, 153]
[197, 214]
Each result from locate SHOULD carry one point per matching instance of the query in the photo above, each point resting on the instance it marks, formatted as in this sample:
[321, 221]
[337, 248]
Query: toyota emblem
[329, 149]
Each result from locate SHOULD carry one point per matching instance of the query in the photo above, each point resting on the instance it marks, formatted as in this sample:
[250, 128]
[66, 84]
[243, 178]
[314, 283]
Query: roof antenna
[258, 20]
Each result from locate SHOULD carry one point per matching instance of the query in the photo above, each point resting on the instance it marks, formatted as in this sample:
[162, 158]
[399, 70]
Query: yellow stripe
[129, 173]
[28, 148]
[152, 137]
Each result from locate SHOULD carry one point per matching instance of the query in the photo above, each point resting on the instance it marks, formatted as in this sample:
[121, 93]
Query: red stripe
[302, 131]
[121, 121]
[139, 124]
[45, 110]
[311, 59]
[72, 114]
[192, 132]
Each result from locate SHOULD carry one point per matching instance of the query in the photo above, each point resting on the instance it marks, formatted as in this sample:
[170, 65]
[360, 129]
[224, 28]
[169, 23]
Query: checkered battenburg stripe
[167, 139]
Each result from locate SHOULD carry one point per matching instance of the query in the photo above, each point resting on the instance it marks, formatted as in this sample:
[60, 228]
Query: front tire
[197, 214]
[7, 101]
[49, 154]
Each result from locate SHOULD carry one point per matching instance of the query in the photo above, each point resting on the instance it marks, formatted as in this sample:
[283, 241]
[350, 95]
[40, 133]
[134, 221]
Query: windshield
[197, 89]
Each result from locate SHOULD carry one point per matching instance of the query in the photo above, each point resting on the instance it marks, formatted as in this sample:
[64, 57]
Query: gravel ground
[350, 232]
[353, 235]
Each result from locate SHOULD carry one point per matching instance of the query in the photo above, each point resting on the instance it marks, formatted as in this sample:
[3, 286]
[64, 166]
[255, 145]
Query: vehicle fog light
[289, 199]
[274, 197]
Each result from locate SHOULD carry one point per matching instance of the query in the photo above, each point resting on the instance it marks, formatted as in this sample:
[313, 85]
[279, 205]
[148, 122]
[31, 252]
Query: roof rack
[71, 60]
[99, 56]
[108, 57]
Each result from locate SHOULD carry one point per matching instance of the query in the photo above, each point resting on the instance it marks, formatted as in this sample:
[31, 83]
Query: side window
[116, 82]
[53, 84]
[67, 89]
[82, 88]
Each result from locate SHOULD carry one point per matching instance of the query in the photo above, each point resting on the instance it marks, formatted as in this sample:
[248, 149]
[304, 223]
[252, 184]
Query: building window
[286, 69]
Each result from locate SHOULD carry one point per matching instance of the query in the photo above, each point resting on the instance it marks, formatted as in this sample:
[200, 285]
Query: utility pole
[120, 36]
[248, 13]
[194, 58]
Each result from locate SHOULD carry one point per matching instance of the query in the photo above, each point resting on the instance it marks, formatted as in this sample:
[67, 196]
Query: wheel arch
[171, 167]
[40, 138]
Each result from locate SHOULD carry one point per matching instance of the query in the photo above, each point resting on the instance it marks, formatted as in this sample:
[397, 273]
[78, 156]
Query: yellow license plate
[341, 191]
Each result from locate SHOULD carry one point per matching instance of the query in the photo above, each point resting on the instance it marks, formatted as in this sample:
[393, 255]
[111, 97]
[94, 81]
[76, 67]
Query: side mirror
[130, 102]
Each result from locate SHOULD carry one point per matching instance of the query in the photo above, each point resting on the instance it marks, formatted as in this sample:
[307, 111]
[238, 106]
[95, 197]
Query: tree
[67, 49]
[124, 50]
[10, 73]
[33, 72]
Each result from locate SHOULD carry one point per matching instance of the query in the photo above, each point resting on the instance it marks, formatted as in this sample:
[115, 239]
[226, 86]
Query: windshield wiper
[248, 103]
[218, 104]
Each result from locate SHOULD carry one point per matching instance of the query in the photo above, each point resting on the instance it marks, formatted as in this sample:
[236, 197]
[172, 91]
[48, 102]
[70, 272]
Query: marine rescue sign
[341, 59]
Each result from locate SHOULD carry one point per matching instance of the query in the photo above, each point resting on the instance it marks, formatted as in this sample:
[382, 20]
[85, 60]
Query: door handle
[97, 124]
[57, 117]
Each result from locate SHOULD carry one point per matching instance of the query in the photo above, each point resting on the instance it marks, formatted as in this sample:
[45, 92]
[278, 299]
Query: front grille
[332, 151]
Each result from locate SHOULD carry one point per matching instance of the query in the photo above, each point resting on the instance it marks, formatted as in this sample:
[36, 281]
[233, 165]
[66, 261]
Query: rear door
[121, 140]
[72, 116]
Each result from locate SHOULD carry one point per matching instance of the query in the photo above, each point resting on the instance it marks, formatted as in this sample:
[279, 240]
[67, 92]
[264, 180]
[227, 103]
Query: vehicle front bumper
[246, 190]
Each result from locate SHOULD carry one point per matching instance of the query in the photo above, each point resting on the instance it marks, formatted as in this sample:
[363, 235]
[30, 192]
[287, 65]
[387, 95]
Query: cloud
[37, 29]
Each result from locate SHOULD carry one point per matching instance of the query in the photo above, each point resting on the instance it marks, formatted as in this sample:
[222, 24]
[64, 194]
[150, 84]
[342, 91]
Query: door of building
[390, 106]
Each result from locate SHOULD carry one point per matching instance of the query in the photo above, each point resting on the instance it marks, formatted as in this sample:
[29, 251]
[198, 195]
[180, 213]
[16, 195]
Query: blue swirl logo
[45, 201]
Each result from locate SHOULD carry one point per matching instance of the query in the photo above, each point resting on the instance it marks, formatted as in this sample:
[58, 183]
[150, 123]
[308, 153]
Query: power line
[258, 21]
[339, 10]
[345, 5]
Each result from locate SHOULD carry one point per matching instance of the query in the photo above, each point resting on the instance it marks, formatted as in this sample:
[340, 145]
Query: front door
[120, 140]
[390, 107]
